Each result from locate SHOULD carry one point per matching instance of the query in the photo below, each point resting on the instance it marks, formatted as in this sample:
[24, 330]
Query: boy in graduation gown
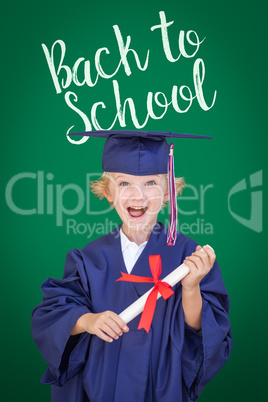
[92, 355]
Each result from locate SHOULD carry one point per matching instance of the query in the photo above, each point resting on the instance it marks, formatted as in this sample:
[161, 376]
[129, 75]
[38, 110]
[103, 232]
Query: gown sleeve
[205, 352]
[64, 301]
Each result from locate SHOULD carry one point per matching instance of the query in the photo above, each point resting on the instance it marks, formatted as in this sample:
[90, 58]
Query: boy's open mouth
[136, 212]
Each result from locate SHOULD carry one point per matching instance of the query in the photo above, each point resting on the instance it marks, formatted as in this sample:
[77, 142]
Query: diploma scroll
[137, 307]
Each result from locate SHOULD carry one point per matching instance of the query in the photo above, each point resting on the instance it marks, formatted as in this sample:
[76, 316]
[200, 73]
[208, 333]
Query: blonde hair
[98, 186]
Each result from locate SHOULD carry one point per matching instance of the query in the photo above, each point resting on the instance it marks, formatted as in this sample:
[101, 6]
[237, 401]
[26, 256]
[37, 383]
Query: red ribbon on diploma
[159, 286]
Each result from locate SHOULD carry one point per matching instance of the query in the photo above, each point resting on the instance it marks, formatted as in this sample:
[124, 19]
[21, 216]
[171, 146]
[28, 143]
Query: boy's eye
[150, 183]
[124, 183]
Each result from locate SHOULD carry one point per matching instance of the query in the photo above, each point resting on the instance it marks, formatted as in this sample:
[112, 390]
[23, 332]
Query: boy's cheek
[156, 197]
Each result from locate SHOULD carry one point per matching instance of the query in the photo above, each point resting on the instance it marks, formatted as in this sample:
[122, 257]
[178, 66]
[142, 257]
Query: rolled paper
[172, 279]
[137, 307]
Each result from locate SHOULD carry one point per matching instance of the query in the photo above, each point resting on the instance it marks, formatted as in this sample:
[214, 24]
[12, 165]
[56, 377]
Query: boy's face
[137, 200]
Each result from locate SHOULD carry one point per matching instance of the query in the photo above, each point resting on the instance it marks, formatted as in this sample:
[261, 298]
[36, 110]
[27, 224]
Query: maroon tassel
[172, 230]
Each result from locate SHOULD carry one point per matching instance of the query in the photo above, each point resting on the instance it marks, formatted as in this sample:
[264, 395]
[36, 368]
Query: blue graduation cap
[142, 153]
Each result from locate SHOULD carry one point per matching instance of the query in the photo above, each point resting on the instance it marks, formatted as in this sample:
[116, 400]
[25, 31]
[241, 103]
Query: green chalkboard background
[221, 206]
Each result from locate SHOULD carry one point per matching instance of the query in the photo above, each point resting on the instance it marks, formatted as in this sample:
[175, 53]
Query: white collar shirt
[130, 250]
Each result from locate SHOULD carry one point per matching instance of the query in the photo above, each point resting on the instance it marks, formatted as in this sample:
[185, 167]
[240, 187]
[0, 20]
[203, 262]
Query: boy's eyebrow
[149, 177]
[119, 176]
[153, 176]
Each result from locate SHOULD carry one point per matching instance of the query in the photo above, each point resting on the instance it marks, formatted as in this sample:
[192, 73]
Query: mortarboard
[142, 153]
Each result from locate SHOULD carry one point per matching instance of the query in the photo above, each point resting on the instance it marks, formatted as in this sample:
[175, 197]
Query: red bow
[162, 287]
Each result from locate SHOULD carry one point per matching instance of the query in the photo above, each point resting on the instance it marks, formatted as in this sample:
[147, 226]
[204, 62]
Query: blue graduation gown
[171, 363]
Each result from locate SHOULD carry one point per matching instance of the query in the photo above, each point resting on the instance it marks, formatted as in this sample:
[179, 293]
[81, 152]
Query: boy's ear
[166, 197]
[106, 193]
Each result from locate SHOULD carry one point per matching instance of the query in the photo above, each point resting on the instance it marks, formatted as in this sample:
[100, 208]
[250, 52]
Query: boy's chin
[136, 225]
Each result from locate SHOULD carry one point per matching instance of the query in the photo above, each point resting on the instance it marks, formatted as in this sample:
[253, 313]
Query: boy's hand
[200, 263]
[106, 325]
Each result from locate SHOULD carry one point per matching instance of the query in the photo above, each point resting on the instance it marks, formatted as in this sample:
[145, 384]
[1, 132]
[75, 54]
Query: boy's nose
[136, 193]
